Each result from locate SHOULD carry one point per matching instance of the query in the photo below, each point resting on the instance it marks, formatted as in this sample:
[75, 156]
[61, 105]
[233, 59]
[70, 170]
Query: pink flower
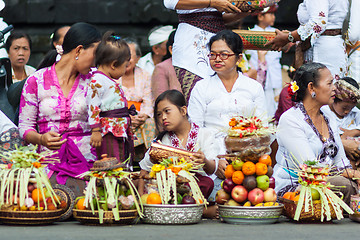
[321, 14]
[317, 28]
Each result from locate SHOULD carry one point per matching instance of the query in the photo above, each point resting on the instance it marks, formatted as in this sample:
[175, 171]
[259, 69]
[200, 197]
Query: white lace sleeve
[316, 25]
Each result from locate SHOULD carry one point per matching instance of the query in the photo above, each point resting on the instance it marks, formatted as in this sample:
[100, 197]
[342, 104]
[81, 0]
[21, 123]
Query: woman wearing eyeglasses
[228, 92]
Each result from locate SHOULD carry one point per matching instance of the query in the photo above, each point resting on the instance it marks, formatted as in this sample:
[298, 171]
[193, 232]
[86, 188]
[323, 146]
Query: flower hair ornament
[59, 49]
[346, 92]
[292, 88]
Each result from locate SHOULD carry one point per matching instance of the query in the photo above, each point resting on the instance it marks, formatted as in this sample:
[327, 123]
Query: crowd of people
[93, 95]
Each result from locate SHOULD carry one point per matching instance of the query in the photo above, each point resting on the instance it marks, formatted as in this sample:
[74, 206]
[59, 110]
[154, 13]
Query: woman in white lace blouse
[321, 23]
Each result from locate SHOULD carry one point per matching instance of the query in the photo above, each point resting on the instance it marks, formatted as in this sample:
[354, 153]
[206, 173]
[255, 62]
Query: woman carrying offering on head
[109, 117]
[53, 110]
[306, 134]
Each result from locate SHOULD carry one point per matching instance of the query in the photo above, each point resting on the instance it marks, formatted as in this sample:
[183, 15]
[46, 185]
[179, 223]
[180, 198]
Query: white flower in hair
[59, 49]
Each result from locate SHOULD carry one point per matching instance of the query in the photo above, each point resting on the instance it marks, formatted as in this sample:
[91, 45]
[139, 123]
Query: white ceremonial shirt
[273, 72]
[190, 48]
[29, 70]
[350, 121]
[317, 16]
[296, 137]
[146, 62]
[212, 106]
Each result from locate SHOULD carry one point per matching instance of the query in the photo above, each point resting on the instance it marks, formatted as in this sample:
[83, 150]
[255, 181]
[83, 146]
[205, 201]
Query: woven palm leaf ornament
[313, 175]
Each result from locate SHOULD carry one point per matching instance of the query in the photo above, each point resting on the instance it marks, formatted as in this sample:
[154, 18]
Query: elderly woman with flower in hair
[347, 115]
[305, 133]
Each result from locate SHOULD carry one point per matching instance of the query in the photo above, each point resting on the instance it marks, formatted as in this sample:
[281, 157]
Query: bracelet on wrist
[98, 130]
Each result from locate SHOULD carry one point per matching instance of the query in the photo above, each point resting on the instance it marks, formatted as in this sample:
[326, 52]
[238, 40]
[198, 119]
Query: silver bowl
[172, 214]
[250, 215]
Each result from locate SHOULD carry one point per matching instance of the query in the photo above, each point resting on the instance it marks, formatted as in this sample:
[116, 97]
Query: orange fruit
[296, 196]
[238, 177]
[261, 169]
[229, 171]
[36, 195]
[80, 204]
[153, 198]
[265, 159]
[248, 168]
[289, 195]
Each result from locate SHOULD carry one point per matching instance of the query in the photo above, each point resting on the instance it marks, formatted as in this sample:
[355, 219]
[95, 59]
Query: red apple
[228, 185]
[272, 182]
[222, 196]
[270, 195]
[239, 193]
[256, 196]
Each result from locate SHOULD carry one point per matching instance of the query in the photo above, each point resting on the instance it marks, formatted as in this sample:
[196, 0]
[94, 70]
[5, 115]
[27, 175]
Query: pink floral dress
[44, 108]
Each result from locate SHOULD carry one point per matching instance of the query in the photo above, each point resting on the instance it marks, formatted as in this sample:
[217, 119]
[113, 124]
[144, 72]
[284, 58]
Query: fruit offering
[110, 188]
[24, 182]
[248, 138]
[174, 183]
[248, 184]
[314, 189]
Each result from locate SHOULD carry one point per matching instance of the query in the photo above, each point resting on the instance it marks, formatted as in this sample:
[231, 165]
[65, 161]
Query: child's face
[118, 71]
[267, 19]
[343, 108]
[169, 115]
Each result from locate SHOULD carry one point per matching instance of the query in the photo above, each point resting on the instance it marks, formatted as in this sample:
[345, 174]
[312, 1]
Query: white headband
[160, 35]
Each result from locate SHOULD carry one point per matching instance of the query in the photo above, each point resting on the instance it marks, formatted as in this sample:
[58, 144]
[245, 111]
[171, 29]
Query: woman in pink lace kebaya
[53, 110]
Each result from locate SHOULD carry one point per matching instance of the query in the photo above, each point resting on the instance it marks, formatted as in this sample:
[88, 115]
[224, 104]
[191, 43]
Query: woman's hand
[52, 140]
[280, 40]
[225, 6]
[198, 158]
[96, 139]
[138, 120]
[220, 172]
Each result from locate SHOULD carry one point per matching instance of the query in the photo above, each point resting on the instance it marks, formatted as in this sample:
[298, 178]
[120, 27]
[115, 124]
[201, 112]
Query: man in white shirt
[157, 40]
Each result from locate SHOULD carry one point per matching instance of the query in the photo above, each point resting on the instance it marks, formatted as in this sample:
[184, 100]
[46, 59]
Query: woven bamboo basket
[159, 151]
[251, 5]
[255, 40]
[88, 218]
[290, 208]
[30, 217]
[39, 217]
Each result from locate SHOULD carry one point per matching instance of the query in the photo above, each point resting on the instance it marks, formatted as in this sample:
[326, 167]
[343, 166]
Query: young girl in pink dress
[109, 117]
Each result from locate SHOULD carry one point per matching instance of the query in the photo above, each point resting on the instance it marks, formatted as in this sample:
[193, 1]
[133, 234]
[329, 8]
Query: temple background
[132, 18]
